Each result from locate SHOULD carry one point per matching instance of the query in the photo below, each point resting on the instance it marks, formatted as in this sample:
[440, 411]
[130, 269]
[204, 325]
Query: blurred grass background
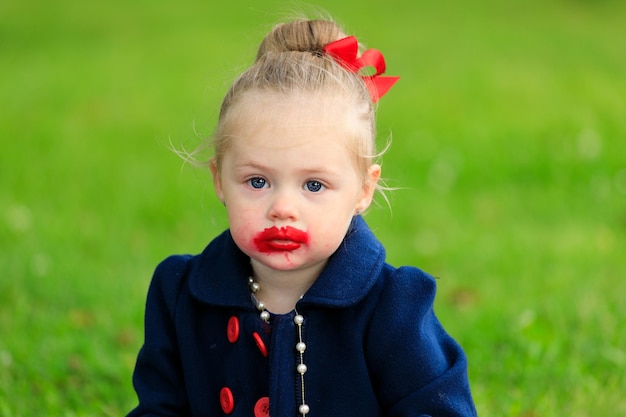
[508, 148]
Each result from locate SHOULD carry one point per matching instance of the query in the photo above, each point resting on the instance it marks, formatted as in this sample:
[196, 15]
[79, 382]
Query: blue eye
[257, 182]
[314, 186]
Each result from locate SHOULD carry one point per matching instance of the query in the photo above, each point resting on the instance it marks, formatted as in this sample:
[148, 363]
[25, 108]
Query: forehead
[328, 114]
[284, 134]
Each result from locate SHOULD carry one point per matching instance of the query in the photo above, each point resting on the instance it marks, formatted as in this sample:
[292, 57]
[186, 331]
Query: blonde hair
[291, 60]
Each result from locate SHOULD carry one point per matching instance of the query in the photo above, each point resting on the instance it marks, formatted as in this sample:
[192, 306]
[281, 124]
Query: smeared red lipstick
[285, 239]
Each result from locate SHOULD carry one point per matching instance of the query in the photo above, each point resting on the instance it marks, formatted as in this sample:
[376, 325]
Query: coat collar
[219, 275]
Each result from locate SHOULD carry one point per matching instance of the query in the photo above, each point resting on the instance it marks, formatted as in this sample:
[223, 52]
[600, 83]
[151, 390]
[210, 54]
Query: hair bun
[300, 36]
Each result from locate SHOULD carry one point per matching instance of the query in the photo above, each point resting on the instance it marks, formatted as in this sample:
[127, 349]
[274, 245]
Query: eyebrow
[251, 165]
[308, 171]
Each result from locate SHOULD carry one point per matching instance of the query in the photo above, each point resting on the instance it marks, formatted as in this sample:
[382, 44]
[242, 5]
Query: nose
[283, 206]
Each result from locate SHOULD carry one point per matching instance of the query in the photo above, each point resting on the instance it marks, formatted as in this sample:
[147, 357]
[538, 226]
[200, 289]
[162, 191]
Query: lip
[284, 239]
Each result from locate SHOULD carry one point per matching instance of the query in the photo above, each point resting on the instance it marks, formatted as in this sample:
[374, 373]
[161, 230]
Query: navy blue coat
[374, 345]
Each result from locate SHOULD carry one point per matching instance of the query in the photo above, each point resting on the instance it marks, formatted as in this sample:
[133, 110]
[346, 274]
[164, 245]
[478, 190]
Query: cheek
[242, 232]
[244, 241]
[328, 236]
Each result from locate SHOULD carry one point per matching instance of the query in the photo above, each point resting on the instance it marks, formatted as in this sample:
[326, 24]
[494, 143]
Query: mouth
[285, 239]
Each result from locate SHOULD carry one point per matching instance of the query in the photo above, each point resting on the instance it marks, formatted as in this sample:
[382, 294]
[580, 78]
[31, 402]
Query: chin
[288, 261]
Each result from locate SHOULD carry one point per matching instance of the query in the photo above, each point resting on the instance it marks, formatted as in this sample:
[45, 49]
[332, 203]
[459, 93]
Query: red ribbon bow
[345, 52]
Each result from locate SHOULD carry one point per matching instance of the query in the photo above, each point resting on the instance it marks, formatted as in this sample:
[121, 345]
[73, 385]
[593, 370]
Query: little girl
[293, 310]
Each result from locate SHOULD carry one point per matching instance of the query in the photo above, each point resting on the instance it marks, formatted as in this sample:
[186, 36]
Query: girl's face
[289, 180]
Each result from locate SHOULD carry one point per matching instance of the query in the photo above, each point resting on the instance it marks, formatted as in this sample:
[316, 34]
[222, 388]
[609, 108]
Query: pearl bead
[260, 305]
[254, 286]
[304, 409]
[298, 319]
[301, 347]
[265, 315]
[301, 369]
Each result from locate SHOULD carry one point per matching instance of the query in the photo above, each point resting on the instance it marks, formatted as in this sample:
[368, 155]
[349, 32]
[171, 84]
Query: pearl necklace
[298, 319]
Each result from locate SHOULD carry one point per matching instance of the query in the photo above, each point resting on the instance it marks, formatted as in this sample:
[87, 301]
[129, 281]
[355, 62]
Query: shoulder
[406, 287]
[172, 267]
[168, 279]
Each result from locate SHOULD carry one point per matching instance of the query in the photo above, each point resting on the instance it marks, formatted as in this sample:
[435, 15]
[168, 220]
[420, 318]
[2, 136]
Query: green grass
[508, 149]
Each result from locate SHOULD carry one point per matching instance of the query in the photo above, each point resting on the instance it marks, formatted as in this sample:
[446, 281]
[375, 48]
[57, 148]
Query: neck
[281, 290]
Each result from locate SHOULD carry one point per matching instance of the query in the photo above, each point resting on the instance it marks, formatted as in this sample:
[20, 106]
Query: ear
[217, 179]
[369, 187]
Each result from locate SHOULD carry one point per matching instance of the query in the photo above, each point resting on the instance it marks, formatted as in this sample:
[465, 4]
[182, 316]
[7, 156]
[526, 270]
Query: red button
[227, 401]
[262, 407]
[232, 330]
[259, 343]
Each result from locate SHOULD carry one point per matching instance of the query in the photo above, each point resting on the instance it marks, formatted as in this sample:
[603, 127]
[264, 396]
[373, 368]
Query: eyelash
[259, 183]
